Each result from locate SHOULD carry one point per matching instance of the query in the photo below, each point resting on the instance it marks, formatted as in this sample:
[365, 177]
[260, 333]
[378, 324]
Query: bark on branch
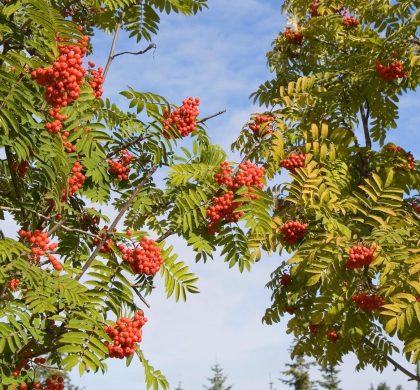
[396, 365]
[117, 219]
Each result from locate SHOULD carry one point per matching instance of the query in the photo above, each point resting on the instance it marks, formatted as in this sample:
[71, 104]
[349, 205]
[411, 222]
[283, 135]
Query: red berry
[333, 335]
[285, 279]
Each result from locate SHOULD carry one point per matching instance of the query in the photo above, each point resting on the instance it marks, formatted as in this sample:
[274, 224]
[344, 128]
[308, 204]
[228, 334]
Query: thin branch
[141, 138]
[55, 228]
[211, 116]
[134, 141]
[113, 45]
[365, 122]
[117, 219]
[396, 365]
[138, 293]
[60, 224]
[135, 53]
[165, 235]
[15, 180]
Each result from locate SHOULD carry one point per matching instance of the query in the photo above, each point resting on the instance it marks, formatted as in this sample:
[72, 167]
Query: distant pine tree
[384, 386]
[217, 381]
[330, 379]
[299, 373]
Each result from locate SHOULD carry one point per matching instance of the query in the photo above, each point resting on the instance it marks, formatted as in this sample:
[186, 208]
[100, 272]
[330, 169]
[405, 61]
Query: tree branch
[396, 365]
[135, 53]
[141, 138]
[117, 219]
[60, 224]
[211, 116]
[365, 122]
[113, 45]
[165, 235]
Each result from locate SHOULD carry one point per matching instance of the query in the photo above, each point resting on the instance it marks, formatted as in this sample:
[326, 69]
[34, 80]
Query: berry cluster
[39, 360]
[293, 231]
[395, 70]
[76, 181]
[97, 81]
[40, 246]
[62, 81]
[223, 208]
[224, 176]
[313, 8]
[293, 36]
[21, 168]
[349, 21]
[259, 120]
[125, 335]
[109, 242]
[248, 174]
[410, 161]
[290, 309]
[285, 279]
[64, 78]
[367, 301]
[184, 118]
[416, 206]
[333, 335]
[23, 363]
[145, 258]
[394, 149]
[68, 146]
[314, 329]
[295, 160]
[14, 284]
[360, 256]
[55, 382]
[120, 167]
[89, 222]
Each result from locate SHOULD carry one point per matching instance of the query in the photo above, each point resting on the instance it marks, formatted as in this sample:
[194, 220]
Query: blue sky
[219, 56]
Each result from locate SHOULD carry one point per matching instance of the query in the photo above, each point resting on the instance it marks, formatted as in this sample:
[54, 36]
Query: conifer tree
[330, 379]
[298, 372]
[217, 381]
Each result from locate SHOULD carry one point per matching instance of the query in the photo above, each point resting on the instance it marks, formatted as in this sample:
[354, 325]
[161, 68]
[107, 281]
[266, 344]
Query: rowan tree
[349, 213]
[73, 280]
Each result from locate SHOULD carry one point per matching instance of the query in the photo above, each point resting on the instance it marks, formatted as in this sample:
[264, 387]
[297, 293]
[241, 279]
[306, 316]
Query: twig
[60, 224]
[165, 235]
[396, 365]
[365, 121]
[211, 116]
[138, 293]
[113, 44]
[135, 53]
[117, 219]
[55, 228]
[10, 164]
[141, 138]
